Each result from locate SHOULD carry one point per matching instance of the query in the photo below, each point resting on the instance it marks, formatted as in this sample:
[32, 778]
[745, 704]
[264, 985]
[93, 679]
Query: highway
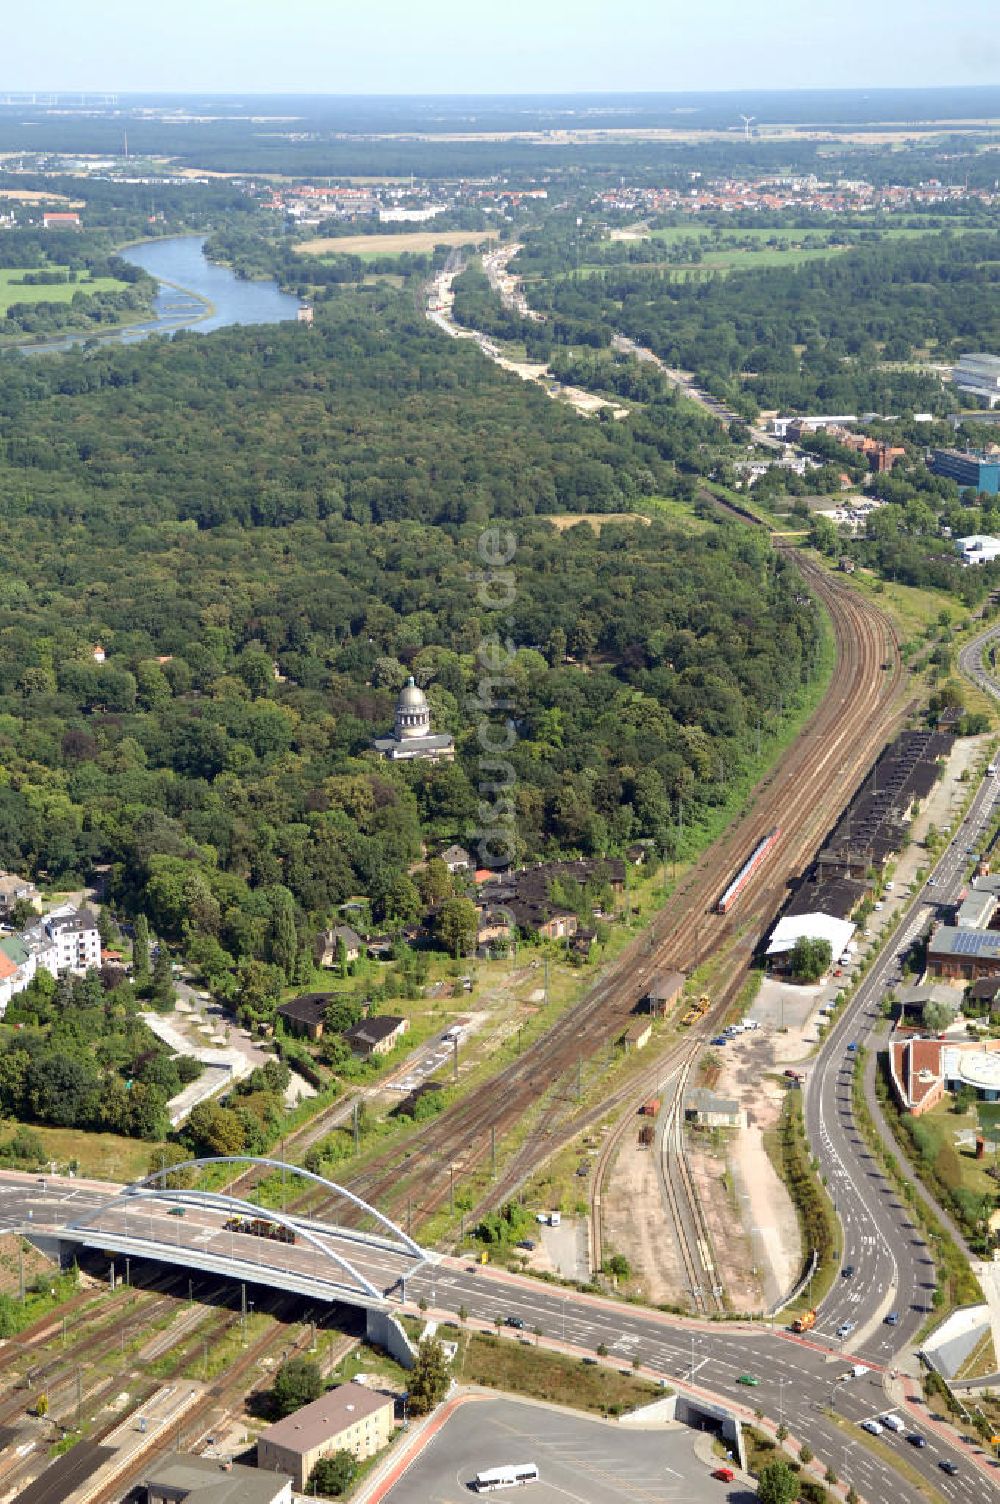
[894, 1270]
[801, 1382]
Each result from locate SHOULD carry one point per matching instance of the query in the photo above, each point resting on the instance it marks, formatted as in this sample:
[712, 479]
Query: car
[845, 1329]
[932, 882]
[916, 1440]
[724, 1475]
[176, 1211]
[852, 1046]
[873, 1427]
[528, 1243]
[947, 1466]
[892, 1319]
[749, 1379]
[515, 1321]
[720, 1039]
[847, 1272]
[878, 907]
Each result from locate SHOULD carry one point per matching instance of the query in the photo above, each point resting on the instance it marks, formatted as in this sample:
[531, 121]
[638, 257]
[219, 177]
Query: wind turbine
[747, 122]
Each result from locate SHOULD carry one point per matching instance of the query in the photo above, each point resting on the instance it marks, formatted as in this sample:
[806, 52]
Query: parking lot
[578, 1459]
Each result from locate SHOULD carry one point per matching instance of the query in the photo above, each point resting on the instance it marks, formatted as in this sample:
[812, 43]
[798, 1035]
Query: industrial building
[183, 1478]
[979, 376]
[963, 955]
[971, 469]
[706, 1110]
[978, 548]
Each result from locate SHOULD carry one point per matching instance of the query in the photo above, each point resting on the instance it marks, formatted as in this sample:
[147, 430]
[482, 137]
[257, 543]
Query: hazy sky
[459, 46]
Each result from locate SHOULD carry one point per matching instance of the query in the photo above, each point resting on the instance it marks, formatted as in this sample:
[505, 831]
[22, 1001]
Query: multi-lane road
[800, 1382]
[893, 1268]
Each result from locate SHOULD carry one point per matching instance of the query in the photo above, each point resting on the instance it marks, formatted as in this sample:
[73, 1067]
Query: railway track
[804, 796]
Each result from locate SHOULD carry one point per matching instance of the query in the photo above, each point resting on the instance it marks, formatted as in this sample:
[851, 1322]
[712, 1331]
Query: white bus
[514, 1476]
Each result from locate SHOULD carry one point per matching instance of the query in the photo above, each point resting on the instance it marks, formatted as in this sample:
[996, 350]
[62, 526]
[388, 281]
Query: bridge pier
[382, 1329]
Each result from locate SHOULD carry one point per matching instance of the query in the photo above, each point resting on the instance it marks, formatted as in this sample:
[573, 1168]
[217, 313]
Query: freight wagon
[756, 858]
[260, 1227]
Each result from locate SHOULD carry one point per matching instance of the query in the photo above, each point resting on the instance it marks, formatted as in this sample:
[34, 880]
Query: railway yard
[191, 1354]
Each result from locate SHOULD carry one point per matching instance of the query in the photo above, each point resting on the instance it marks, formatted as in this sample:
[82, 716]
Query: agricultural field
[12, 291]
[388, 245]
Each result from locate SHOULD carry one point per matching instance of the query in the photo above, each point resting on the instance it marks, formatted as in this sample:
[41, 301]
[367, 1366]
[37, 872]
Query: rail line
[803, 796]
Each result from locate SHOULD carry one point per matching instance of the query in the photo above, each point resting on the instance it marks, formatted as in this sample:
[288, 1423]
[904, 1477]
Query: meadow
[12, 291]
[388, 245]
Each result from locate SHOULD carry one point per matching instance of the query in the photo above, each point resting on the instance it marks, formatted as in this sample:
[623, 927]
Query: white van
[873, 1427]
[555, 1218]
[893, 1423]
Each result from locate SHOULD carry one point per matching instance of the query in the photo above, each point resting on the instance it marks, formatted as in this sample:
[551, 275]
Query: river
[194, 293]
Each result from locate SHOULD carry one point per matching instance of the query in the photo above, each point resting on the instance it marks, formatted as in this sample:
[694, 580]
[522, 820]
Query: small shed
[706, 1110]
[638, 1034]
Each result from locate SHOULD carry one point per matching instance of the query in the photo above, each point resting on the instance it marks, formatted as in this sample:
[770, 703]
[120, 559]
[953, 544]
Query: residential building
[456, 859]
[412, 738]
[328, 945]
[376, 1036]
[18, 965]
[306, 1015]
[706, 1110]
[60, 221]
[979, 376]
[13, 890]
[183, 1478]
[349, 1418]
[971, 469]
[963, 955]
[73, 938]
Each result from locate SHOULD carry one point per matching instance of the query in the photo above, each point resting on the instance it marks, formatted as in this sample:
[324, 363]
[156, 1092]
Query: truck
[805, 1322]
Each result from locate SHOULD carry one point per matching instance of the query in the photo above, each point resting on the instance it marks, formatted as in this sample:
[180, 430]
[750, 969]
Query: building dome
[413, 716]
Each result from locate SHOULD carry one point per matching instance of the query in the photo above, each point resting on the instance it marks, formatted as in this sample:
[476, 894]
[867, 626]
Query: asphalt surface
[800, 1382]
[894, 1272]
[577, 1459]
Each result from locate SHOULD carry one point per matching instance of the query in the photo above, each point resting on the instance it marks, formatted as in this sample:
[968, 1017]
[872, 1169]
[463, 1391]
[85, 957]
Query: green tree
[213, 1129]
[284, 939]
[333, 1476]
[457, 926]
[810, 959]
[140, 951]
[166, 1155]
[777, 1483]
[297, 1382]
[430, 1378]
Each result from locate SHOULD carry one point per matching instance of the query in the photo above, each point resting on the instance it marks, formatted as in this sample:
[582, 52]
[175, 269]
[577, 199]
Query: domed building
[413, 737]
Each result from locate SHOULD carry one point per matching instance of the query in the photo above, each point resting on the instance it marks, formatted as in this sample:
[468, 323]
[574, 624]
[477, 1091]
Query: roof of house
[211, 1482]
[326, 1417]
[986, 989]
[344, 932]
[456, 854]
[372, 1031]
[12, 886]
[7, 966]
[78, 921]
[309, 1008]
[14, 948]
[636, 1030]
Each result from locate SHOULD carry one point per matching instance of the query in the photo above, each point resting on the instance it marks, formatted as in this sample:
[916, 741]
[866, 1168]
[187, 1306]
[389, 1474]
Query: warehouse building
[979, 377]
[963, 955]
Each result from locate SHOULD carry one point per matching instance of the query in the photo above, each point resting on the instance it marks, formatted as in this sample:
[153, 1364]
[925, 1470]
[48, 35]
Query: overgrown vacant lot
[388, 245]
[501, 1363]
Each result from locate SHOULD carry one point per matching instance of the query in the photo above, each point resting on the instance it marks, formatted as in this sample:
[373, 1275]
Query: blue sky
[460, 46]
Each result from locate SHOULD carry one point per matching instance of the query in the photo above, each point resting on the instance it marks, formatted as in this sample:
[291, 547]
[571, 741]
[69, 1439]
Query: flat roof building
[182, 1478]
[349, 1418]
[979, 376]
[972, 469]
